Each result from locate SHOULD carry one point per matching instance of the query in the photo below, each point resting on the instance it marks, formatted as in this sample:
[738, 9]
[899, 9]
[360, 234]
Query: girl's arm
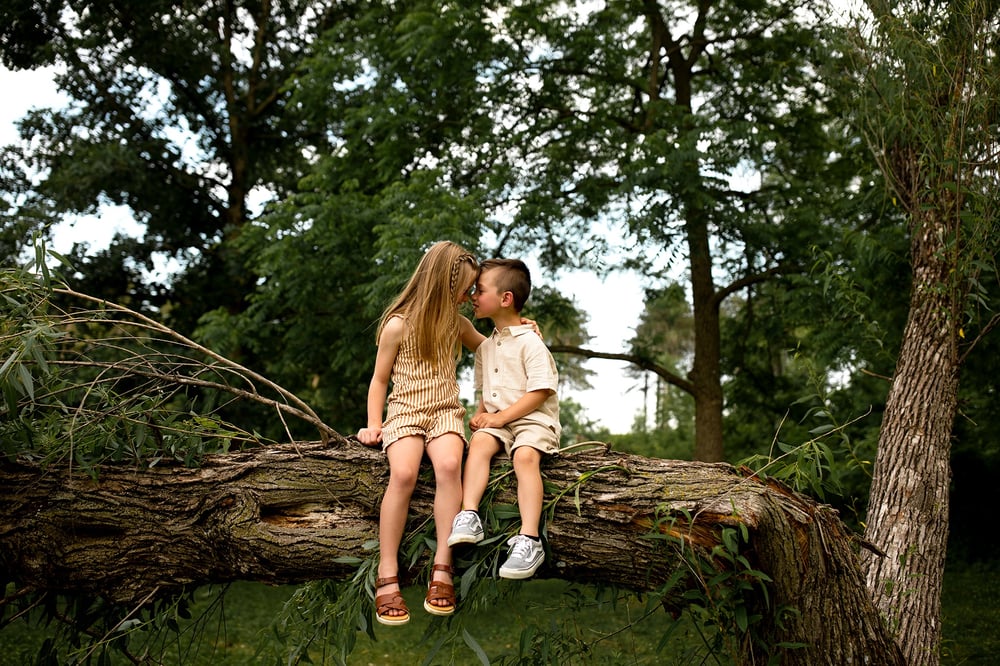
[467, 333]
[471, 338]
[388, 347]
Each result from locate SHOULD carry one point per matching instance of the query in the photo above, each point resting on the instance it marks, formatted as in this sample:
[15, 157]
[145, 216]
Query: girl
[419, 338]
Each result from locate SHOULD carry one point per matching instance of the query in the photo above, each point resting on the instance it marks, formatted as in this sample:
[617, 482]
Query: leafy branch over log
[115, 384]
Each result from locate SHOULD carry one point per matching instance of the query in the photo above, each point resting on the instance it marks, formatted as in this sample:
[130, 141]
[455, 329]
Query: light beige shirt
[513, 362]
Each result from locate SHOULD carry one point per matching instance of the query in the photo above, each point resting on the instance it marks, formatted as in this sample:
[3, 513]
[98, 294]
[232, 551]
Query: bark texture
[285, 514]
[908, 508]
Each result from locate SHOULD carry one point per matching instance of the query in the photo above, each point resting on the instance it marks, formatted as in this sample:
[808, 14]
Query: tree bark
[908, 507]
[287, 513]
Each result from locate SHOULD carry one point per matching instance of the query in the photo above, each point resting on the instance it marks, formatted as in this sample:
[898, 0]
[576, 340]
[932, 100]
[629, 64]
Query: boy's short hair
[513, 276]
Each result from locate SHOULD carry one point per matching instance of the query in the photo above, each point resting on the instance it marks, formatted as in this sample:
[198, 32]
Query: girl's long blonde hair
[429, 300]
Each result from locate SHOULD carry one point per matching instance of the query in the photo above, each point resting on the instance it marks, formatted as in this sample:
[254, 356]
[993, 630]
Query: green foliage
[243, 626]
[823, 456]
[179, 114]
[726, 596]
[577, 427]
[322, 619]
[671, 440]
[924, 86]
[81, 629]
[95, 382]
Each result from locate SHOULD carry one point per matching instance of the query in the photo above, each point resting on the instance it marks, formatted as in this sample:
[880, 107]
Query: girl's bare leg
[445, 453]
[404, 456]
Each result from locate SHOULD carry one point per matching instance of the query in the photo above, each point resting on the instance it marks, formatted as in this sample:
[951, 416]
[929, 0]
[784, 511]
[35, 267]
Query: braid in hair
[455, 268]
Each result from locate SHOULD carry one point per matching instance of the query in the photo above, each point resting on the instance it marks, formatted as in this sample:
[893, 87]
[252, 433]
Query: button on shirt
[513, 362]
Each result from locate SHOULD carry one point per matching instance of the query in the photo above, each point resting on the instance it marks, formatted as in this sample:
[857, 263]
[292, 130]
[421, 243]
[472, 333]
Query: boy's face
[487, 299]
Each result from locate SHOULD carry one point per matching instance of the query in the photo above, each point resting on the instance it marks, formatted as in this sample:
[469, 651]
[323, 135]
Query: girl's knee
[448, 466]
[404, 477]
[446, 453]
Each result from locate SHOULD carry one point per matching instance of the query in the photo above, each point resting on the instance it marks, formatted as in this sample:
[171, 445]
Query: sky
[614, 303]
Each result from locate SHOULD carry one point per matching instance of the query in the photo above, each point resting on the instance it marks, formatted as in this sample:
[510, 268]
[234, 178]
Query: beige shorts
[524, 433]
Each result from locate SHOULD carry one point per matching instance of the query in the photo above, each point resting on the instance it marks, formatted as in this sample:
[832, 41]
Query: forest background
[291, 164]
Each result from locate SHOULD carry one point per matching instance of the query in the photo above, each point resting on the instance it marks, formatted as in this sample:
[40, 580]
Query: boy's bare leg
[527, 468]
[482, 448]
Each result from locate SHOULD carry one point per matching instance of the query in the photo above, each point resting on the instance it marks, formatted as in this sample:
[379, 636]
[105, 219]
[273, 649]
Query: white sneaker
[523, 559]
[466, 528]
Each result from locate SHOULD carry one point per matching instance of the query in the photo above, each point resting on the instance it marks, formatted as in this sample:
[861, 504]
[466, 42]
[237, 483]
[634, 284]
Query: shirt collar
[515, 331]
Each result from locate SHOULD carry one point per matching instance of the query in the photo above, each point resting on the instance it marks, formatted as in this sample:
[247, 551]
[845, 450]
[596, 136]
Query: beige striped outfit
[424, 396]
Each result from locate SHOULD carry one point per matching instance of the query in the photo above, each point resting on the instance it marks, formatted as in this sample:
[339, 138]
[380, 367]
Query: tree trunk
[287, 513]
[706, 372]
[908, 508]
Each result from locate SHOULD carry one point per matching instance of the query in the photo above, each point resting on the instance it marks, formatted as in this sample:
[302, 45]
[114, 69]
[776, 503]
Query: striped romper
[424, 397]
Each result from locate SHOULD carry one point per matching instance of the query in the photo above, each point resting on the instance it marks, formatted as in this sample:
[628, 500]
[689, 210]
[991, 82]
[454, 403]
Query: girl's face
[465, 295]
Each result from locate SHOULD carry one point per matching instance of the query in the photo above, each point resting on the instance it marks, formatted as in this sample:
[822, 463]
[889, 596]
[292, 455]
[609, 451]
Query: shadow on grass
[590, 630]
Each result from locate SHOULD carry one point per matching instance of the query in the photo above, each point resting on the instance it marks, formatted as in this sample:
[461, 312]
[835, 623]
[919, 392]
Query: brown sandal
[390, 601]
[438, 590]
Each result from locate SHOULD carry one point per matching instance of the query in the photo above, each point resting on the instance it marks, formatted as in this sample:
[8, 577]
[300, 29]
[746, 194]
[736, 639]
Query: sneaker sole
[463, 538]
[520, 574]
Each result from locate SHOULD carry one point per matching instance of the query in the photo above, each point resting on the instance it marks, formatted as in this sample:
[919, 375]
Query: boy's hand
[370, 436]
[486, 420]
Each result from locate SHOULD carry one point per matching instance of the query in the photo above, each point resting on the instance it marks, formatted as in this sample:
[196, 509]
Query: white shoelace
[466, 520]
[520, 547]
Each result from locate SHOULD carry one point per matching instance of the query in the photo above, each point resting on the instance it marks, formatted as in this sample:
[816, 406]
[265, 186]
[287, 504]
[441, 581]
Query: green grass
[591, 631]
[243, 633]
[970, 616]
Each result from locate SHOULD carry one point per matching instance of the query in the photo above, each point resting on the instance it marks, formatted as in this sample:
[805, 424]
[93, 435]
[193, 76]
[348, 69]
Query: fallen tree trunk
[286, 514]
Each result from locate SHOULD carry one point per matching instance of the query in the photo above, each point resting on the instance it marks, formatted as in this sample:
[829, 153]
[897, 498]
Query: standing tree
[177, 111]
[928, 79]
[695, 132]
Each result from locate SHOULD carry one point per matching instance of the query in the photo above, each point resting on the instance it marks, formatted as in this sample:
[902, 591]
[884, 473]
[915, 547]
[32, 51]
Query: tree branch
[747, 281]
[639, 361]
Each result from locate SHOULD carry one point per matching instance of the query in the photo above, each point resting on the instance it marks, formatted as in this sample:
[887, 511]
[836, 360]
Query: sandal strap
[382, 582]
[440, 590]
[443, 567]
[390, 601]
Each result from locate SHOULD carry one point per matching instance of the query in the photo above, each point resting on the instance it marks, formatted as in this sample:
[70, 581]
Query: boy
[518, 410]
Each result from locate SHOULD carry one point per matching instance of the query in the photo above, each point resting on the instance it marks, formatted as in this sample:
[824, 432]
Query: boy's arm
[524, 405]
[474, 419]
